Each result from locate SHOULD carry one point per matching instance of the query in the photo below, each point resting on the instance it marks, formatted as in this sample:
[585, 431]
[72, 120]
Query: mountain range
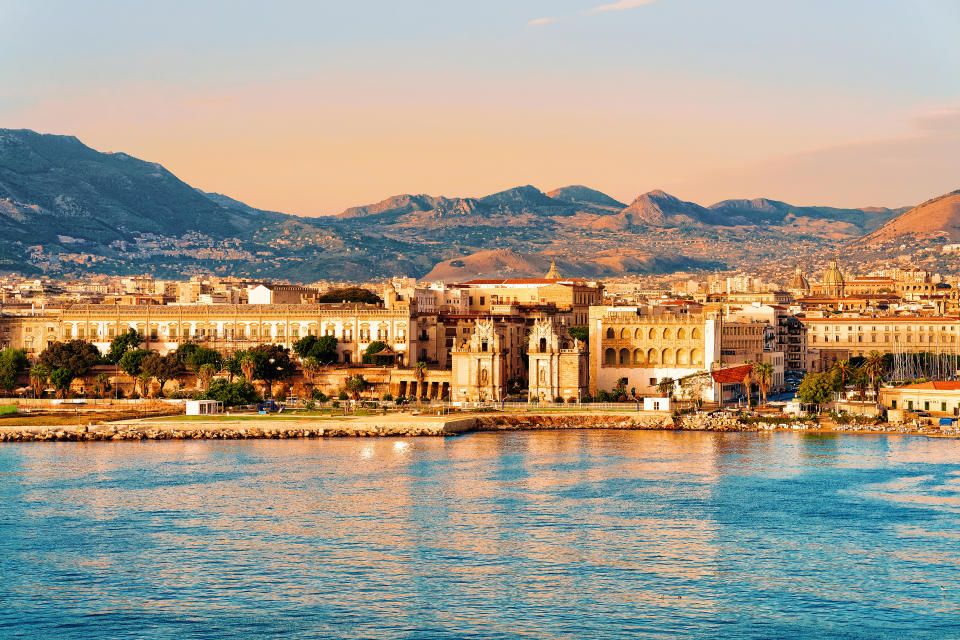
[67, 209]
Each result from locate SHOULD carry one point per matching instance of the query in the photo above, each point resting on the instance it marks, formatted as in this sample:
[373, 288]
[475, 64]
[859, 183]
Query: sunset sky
[310, 107]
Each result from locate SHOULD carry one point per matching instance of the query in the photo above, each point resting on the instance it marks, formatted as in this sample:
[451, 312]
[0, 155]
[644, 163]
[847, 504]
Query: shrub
[310, 405]
[571, 400]
[335, 404]
[387, 397]
[558, 399]
[232, 394]
[400, 400]
[342, 395]
[320, 396]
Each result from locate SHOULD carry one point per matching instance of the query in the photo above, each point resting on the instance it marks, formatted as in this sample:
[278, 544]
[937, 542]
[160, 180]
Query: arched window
[696, 356]
[638, 334]
[681, 334]
[624, 356]
[683, 356]
[624, 334]
[637, 356]
[543, 345]
[652, 356]
[610, 357]
[695, 334]
[667, 334]
[652, 334]
[667, 356]
[610, 333]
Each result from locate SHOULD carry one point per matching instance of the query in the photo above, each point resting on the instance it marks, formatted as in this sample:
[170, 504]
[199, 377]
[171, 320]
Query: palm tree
[38, 379]
[763, 371]
[844, 370]
[875, 368]
[861, 380]
[748, 381]
[620, 389]
[205, 374]
[311, 370]
[420, 372]
[248, 365]
[665, 386]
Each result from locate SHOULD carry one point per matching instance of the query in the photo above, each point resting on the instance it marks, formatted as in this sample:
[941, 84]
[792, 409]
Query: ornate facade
[557, 363]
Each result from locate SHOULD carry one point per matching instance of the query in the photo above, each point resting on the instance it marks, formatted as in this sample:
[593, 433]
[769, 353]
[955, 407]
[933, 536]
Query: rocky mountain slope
[936, 218]
[68, 209]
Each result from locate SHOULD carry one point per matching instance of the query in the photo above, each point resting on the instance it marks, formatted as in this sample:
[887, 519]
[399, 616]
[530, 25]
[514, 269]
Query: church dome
[833, 280]
[799, 283]
[833, 275]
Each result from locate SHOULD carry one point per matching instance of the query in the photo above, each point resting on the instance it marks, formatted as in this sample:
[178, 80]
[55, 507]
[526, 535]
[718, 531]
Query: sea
[566, 534]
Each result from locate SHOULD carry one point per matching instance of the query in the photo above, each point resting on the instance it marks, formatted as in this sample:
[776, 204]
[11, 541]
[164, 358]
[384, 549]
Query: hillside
[68, 209]
[936, 218]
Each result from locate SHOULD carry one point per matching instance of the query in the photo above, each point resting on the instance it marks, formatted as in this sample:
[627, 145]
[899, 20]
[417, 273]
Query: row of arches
[655, 333]
[626, 357]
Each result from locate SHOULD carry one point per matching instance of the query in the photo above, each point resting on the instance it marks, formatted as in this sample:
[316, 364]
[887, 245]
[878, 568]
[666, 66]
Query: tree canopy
[350, 294]
[132, 361]
[370, 354]
[580, 333]
[13, 362]
[232, 394]
[162, 368]
[123, 343]
[324, 348]
[193, 356]
[817, 388]
[76, 356]
[281, 368]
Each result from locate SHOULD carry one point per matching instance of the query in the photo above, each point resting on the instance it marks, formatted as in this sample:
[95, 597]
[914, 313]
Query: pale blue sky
[309, 107]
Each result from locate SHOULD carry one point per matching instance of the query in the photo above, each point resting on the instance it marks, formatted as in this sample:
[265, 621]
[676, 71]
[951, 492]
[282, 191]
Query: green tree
[77, 356]
[61, 378]
[370, 354]
[132, 361]
[748, 382]
[205, 374]
[665, 386]
[101, 385]
[620, 389]
[763, 373]
[322, 349]
[193, 356]
[13, 362]
[39, 375]
[816, 388]
[861, 382]
[356, 385]
[131, 339]
[350, 294]
[875, 369]
[580, 333]
[162, 368]
[232, 394]
[842, 371]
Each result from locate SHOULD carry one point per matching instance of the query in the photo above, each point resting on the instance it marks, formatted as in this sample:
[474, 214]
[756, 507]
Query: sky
[310, 107]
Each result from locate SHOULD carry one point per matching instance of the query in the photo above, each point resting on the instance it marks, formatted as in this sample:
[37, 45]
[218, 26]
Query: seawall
[372, 426]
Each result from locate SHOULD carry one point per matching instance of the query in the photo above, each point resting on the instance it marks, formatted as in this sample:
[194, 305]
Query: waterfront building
[938, 398]
[557, 362]
[645, 348]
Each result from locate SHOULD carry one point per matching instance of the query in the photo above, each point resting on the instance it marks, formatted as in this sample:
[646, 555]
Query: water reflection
[554, 534]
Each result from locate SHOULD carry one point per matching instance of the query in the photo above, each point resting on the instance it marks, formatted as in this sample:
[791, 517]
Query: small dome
[799, 283]
[552, 274]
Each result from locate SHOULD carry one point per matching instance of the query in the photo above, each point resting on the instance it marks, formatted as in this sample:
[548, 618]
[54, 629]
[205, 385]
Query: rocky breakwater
[719, 421]
[535, 422]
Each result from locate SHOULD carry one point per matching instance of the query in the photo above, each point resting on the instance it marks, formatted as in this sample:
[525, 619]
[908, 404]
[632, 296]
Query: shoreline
[401, 425]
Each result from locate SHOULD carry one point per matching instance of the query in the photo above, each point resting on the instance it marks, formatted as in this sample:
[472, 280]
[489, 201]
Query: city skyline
[309, 109]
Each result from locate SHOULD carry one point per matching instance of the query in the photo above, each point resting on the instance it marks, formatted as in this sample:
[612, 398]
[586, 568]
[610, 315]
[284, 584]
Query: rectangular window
[926, 406]
[893, 404]
[943, 407]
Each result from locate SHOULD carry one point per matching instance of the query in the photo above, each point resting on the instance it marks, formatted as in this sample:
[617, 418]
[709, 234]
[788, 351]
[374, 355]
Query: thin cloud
[540, 21]
[621, 5]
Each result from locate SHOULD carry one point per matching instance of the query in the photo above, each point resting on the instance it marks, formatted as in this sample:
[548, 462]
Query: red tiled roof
[526, 281]
[731, 375]
[937, 385]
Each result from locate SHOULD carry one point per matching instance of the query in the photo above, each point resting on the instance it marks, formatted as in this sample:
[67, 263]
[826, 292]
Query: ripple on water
[553, 534]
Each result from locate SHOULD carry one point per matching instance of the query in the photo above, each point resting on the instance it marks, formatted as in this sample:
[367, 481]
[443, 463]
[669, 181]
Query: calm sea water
[518, 535]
